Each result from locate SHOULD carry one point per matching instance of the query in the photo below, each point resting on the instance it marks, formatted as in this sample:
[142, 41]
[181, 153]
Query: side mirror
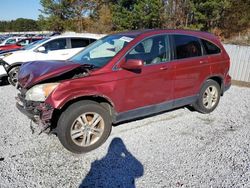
[132, 64]
[41, 49]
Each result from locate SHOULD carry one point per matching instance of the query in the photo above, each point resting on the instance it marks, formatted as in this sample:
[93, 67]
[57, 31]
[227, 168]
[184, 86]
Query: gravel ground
[179, 148]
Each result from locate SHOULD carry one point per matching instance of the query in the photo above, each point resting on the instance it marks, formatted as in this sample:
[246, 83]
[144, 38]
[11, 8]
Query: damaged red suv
[122, 77]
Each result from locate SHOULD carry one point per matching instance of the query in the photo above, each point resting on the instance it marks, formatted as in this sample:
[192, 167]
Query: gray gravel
[179, 148]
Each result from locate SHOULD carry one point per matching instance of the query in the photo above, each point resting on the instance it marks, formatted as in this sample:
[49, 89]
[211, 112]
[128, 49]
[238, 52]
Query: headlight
[40, 92]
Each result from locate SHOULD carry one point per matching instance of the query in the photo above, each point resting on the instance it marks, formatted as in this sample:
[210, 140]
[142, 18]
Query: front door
[151, 85]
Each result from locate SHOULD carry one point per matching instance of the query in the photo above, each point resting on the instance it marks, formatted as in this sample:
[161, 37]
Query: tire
[209, 97]
[13, 75]
[77, 136]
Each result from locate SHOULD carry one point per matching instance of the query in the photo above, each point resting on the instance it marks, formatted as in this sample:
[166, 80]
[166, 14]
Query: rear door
[191, 66]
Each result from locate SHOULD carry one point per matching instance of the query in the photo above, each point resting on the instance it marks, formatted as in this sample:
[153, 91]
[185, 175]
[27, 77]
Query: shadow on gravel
[118, 168]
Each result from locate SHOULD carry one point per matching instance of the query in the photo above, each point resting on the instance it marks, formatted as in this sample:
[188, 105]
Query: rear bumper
[226, 84]
[227, 87]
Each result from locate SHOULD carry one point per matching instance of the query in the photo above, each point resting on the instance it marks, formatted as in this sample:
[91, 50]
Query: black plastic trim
[154, 109]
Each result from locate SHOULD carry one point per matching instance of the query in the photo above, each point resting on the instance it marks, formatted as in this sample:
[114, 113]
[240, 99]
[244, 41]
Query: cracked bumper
[39, 112]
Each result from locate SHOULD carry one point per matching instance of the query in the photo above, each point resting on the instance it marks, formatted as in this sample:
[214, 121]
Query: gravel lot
[179, 148]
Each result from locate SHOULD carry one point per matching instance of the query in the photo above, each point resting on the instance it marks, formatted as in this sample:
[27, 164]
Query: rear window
[79, 42]
[210, 47]
[186, 46]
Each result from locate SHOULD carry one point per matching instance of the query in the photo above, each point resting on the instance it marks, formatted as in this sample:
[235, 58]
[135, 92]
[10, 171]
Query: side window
[34, 39]
[187, 46]
[11, 41]
[23, 42]
[92, 40]
[210, 47]
[57, 44]
[152, 50]
[79, 42]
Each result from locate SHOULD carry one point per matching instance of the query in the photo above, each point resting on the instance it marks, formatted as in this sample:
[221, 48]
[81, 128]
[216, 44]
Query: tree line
[223, 17]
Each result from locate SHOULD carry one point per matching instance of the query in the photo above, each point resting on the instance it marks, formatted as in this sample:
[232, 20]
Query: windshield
[35, 44]
[102, 51]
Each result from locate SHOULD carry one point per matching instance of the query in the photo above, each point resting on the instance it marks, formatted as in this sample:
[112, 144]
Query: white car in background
[60, 47]
[11, 40]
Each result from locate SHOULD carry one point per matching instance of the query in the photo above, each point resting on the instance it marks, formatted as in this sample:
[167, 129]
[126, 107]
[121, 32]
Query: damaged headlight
[40, 92]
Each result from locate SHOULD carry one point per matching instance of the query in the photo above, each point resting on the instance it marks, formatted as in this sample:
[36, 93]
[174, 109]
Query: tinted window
[34, 39]
[23, 42]
[152, 50]
[92, 40]
[210, 47]
[79, 42]
[56, 44]
[187, 46]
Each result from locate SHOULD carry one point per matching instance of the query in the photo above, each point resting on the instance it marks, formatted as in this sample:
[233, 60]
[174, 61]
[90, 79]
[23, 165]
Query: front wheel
[83, 126]
[13, 75]
[209, 97]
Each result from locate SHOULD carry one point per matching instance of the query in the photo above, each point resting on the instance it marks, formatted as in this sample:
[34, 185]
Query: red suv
[122, 77]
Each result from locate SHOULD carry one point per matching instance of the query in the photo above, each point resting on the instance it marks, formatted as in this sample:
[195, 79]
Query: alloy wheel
[87, 129]
[210, 97]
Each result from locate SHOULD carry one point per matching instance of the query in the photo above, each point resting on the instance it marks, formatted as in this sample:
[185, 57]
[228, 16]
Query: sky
[13, 9]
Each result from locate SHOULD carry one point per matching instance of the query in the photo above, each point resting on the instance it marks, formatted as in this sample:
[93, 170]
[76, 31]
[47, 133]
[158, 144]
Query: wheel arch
[217, 78]
[14, 65]
[102, 100]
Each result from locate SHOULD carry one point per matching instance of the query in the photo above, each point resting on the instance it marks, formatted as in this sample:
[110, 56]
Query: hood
[33, 72]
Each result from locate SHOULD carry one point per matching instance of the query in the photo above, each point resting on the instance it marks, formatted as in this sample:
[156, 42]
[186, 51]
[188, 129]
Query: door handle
[201, 62]
[164, 68]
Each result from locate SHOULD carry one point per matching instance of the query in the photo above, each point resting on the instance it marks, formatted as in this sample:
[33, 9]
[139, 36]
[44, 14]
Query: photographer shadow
[119, 168]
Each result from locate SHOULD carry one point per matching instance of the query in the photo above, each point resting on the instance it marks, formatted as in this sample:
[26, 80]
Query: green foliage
[208, 13]
[236, 17]
[19, 24]
[148, 14]
[141, 14]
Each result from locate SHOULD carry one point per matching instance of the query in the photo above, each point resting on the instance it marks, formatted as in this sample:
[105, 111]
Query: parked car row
[18, 45]
[59, 47]
[14, 41]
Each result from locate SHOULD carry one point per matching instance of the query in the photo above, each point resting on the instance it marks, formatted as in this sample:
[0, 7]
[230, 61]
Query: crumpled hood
[33, 72]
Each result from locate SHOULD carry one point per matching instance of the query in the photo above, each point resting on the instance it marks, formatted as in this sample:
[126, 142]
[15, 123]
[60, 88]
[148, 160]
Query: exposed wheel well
[219, 80]
[101, 100]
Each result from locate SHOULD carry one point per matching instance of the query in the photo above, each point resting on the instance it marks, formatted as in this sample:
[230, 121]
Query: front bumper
[39, 112]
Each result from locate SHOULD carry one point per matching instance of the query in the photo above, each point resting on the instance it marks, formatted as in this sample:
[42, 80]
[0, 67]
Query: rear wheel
[13, 75]
[209, 97]
[83, 126]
